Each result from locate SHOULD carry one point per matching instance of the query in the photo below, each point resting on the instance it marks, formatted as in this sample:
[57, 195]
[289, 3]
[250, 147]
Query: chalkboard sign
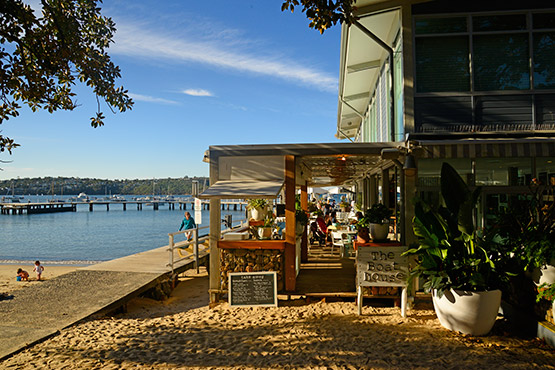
[253, 289]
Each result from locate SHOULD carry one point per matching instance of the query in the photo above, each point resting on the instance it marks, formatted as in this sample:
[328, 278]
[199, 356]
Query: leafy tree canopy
[323, 14]
[42, 57]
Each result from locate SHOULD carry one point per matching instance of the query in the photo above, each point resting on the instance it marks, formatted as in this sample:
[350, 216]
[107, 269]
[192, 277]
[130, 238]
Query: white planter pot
[299, 229]
[547, 274]
[471, 313]
[264, 232]
[379, 232]
[258, 214]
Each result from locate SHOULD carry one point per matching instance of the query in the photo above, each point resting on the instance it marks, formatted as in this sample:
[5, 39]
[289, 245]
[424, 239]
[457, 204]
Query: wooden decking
[326, 274]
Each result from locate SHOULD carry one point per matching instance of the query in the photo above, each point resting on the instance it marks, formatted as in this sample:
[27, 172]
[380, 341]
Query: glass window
[429, 170]
[501, 62]
[513, 22]
[545, 168]
[442, 64]
[544, 55]
[440, 25]
[543, 20]
[503, 171]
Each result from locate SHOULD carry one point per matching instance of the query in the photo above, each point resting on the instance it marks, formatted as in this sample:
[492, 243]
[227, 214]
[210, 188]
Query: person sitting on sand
[38, 269]
[22, 275]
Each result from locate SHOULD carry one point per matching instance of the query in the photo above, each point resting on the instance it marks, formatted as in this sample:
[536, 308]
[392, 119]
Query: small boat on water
[12, 199]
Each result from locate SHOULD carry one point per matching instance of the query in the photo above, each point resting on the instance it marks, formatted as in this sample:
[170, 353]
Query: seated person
[22, 275]
[318, 230]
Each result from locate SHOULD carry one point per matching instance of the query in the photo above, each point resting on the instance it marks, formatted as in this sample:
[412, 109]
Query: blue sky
[201, 73]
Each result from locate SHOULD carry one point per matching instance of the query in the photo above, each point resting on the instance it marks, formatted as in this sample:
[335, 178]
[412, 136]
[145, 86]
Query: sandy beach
[8, 272]
[183, 332]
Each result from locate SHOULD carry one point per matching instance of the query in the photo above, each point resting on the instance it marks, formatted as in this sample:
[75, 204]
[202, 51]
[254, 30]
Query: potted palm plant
[458, 266]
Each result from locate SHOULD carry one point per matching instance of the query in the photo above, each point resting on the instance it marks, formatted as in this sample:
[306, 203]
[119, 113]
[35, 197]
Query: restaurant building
[471, 83]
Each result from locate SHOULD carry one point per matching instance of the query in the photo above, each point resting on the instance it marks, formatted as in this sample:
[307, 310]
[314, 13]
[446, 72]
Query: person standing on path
[188, 223]
[38, 269]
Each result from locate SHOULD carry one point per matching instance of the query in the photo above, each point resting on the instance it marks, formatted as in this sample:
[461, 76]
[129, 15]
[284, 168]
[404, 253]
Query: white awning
[243, 189]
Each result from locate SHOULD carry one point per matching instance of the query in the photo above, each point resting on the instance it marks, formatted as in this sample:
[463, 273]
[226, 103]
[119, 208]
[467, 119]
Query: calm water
[81, 237]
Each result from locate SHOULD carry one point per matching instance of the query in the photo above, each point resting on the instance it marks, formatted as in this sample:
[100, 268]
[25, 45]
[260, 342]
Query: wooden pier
[51, 207]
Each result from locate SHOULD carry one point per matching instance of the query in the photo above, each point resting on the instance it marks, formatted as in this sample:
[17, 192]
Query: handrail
[195, 241]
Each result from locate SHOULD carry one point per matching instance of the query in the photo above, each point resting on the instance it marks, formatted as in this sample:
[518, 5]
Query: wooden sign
[253, 289]
[382, 266]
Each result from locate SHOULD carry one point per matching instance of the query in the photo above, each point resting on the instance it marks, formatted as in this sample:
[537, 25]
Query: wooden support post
[304, 239]
[107, 207]
[290, 273]
[90, 207]
[215, 229]
[124, 206]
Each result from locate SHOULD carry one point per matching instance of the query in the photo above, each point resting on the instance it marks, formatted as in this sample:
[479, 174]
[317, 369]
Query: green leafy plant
[257, 203]
[311, 207]
[269, 220]
[450, 253]
[45, 53]
[345, 205]
[529, 226]
[377, 214]
[301, 217]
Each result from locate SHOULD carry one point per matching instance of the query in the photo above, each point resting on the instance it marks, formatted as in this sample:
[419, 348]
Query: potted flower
[378, 221]
[257, 208]
[265, 231]
[547, 292]
[457, 265]
[363, 232]
[344, 206]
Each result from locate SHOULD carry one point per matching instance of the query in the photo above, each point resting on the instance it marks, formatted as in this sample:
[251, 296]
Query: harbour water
[85, 237]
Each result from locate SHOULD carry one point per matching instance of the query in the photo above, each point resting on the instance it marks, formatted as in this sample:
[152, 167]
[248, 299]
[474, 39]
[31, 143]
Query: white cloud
[140, 41]
[151, 99]
[197, 92]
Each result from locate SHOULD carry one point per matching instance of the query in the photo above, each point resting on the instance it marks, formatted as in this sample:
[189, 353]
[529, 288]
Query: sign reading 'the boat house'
[381, 266]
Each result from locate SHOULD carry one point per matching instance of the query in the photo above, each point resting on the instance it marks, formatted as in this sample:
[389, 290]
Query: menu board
[253, 289]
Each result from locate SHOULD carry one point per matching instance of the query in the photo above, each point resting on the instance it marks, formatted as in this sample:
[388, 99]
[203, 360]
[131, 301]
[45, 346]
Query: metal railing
[172, 245]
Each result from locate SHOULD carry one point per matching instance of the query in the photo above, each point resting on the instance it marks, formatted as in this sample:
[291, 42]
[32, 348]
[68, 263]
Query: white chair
[342, 241]
[337, 240]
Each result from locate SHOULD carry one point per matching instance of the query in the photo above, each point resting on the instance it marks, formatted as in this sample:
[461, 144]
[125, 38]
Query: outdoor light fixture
[390, 153]
[410, 165]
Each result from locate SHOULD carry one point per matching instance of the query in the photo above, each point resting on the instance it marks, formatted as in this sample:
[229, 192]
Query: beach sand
[183, 332]
[8, 272]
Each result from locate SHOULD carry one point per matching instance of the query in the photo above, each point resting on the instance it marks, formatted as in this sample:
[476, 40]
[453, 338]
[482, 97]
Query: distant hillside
[74, 186]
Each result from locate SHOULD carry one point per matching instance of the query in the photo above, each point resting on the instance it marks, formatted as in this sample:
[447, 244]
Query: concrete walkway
[42, 310]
